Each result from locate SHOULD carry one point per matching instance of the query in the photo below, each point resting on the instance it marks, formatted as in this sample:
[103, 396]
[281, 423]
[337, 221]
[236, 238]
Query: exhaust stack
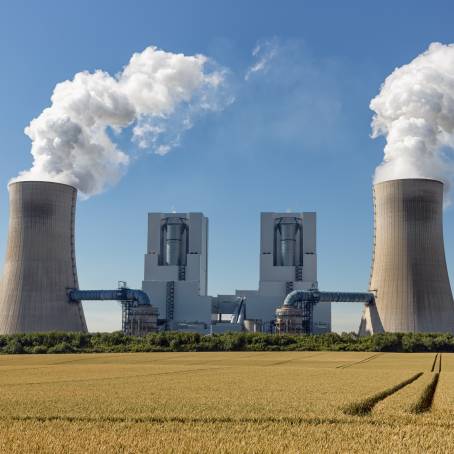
[40, 262]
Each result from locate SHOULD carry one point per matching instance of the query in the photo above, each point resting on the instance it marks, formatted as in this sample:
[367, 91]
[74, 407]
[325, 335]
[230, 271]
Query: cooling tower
[409, 274]
[40, 260]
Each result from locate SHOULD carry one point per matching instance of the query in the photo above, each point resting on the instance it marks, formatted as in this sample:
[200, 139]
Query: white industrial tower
[288, 261]
[176, 269]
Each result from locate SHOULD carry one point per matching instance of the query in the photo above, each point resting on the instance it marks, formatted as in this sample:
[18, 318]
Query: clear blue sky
[297, 137]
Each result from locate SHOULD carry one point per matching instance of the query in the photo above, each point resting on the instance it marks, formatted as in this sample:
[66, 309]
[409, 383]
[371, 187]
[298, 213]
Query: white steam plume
[158, 94]
[415, 112]
[263, 54]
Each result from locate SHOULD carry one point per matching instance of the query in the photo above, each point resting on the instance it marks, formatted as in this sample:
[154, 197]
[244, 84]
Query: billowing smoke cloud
[157, 94]
[415, 112]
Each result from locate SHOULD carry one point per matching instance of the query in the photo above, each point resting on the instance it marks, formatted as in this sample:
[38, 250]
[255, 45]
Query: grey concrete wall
[409, 273]
[40, 260]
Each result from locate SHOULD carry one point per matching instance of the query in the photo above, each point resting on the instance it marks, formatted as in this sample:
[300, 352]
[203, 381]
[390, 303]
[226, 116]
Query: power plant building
[176, 272]
[176, 269]
[288, 261]
[409, 287]
[40, 262]
[409, 275]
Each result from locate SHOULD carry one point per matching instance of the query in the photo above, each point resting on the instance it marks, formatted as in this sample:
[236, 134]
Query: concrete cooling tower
[40, 260]
[409, 275]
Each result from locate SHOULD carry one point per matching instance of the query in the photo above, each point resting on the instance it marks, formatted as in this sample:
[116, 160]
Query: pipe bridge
[137, 297]
[296, 313]
[299, 298]
[138, 316]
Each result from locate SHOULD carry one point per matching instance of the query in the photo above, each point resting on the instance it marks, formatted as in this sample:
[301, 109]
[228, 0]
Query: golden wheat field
[227, 402]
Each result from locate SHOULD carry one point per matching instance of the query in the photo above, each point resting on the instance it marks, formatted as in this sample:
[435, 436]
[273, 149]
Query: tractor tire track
[357, 363]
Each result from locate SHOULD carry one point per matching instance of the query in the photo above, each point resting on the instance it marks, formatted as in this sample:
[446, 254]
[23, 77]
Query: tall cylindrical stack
[40, 260]
[409, 274]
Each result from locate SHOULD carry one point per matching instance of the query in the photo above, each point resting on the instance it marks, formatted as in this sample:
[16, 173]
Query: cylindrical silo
[174, 236]
[288, 228]
[409, 274]
[40, 260]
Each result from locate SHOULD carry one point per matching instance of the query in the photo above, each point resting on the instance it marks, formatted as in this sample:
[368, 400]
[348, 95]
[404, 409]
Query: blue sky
[296, 137]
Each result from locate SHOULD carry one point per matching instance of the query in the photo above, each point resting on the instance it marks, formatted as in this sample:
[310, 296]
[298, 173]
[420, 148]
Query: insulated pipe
[327, 297]
[346, 297]
[240, 313]
[121, 294]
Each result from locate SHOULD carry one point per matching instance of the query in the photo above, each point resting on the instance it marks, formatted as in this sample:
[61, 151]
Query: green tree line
[57, 342]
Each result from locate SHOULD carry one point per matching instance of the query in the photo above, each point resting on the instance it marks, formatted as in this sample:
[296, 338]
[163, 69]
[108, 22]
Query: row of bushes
[176, 341]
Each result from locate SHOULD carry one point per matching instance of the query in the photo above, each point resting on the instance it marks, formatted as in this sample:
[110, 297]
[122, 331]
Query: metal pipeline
[240, 313]
[121, 294]
[315, 296]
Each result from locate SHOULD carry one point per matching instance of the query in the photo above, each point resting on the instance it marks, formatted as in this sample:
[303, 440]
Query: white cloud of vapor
[415, 112]
[158, 93]
[263, 54]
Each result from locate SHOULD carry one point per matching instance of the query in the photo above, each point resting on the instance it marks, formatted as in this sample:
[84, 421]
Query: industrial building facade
[176, 269]
[176, 272]
[288, 261]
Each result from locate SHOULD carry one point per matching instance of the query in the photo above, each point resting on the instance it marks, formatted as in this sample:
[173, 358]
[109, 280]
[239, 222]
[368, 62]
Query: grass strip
[365, 406]
[424, 402]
